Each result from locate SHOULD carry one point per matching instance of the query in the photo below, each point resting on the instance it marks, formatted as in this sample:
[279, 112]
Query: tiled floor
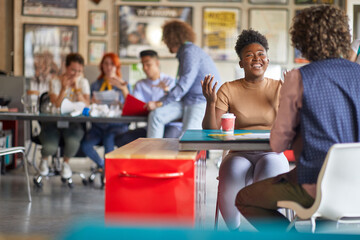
[55, 207]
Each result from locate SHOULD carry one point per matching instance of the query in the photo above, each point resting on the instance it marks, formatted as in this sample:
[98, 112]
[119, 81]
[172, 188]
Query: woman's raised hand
[118, 82]
[208, 90]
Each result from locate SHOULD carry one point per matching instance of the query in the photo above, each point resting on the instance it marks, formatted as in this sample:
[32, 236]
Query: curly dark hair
[248, 37]
[321, 32]
[74, 57]
[176, 33]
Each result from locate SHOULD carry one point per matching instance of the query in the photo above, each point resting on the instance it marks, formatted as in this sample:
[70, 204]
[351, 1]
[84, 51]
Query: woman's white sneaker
[66, 170]
[44, 168]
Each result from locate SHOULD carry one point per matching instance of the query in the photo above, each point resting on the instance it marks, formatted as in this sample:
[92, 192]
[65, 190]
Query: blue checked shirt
[194, 65]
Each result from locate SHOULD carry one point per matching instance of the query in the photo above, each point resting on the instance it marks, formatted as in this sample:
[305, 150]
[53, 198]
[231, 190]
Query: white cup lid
[228, 115]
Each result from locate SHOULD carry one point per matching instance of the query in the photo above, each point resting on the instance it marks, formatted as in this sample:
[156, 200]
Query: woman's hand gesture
[208, 90]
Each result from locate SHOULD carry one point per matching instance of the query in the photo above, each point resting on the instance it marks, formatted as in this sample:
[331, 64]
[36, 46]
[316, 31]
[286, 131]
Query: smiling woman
[254, 101]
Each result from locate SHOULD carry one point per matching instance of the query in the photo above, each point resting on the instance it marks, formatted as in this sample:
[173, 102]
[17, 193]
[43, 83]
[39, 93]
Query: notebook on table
[134, 107]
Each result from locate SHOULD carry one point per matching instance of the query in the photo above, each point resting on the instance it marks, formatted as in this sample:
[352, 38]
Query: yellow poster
[221, 27]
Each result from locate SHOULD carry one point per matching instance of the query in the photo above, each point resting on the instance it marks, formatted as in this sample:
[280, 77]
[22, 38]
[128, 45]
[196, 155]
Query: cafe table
[61, 119]
[239, 140]
[45, 117]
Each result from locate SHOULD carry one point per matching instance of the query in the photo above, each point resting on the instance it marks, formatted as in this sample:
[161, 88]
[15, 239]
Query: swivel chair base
[94, 172]
[38, 178]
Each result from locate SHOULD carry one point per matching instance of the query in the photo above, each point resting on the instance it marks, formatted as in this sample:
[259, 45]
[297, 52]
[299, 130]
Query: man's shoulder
[165, 76]
[191, 48]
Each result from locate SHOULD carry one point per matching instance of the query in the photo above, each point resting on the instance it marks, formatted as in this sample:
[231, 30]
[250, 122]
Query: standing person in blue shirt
[185, 100]
[155, 86]
[109, 79]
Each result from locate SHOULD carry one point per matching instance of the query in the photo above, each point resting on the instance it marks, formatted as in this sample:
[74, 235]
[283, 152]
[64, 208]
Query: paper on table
[106, 97]
[241, 136]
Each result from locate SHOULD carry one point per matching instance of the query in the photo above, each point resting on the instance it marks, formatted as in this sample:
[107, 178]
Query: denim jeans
[101, 134]
[192, 116]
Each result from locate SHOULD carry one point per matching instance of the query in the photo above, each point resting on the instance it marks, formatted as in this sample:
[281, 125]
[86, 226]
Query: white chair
[13, 150]
[337, 191]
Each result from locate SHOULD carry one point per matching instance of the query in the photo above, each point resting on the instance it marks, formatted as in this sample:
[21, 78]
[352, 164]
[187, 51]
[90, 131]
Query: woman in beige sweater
[254, 101]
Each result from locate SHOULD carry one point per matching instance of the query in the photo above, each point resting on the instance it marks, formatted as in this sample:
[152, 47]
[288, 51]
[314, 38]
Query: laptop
[134, 107]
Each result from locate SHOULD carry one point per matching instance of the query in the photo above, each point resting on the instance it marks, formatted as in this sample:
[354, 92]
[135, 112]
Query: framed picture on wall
[268, 1]
[205, 0]
[140, 0]
[50, 8]
[45, 50]
[97, 23]
[221, 27]
[140, 28]
[314, 1]
[96, 50]
[274, 26]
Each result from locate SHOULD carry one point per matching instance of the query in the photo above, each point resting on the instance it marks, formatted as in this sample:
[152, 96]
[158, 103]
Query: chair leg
[313, 224]
[34, 158]
[292, 224]
[25, 162]
[289, 214]
[217, 212]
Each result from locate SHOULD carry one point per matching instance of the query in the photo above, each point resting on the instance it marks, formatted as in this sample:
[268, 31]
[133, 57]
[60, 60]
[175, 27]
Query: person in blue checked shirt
[184, 101]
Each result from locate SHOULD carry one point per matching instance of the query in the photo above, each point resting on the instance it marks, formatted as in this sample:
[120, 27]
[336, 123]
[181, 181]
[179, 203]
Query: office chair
[55, 166]
[337, 190]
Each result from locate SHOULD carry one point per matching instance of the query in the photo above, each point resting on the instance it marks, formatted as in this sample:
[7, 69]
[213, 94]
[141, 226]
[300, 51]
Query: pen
[224, 134]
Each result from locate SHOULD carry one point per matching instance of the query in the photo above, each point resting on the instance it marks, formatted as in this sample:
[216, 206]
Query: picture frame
[314, 1]
[221, 26]
[140, 28]
[353, 11]
[205, 1]
[50, 8]
[97, 23]
[96, 50]
[275, 2]
[141, 0]
[274, 26]
[45, 50]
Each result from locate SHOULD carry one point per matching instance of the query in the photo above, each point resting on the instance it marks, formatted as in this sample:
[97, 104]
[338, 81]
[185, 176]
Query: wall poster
[50, 8]
[140, 27]
[96, 51]
[221, 27]
[274, 25]
[45, 49]
[97, 23]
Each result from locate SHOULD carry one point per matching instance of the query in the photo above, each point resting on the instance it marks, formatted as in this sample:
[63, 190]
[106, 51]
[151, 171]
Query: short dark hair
[248, 37]
[321, 32]
[150, 53]
[74, 57]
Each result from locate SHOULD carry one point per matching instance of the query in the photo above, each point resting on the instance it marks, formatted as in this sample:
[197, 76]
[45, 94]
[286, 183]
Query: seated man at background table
[319, 106]
[152, 88]
[75, 87]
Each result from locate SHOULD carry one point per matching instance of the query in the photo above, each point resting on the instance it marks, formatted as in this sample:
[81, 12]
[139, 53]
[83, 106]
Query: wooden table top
[152, 148]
